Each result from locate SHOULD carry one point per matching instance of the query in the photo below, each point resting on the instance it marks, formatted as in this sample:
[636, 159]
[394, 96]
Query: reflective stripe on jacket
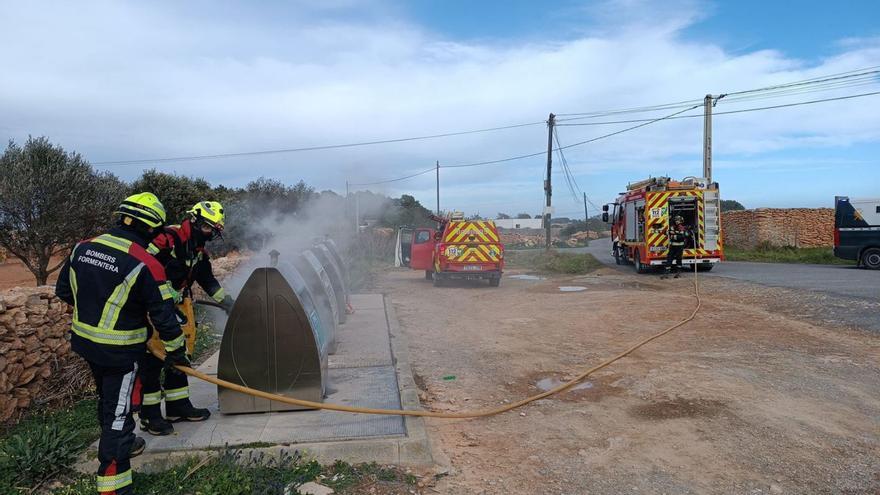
[114, 285]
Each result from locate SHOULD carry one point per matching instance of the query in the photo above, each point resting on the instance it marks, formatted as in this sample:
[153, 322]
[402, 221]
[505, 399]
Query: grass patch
[236, 473]
[766, 253]
[362, 272]
[229, 472]
[348, 479]
[45, 444]
[553, 262]
[207, 339]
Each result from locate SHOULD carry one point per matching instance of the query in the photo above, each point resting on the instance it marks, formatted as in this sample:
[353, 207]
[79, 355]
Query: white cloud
[136, 80]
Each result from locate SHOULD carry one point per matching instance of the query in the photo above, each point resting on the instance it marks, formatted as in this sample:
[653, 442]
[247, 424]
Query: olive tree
[49, 200]
[178, 193]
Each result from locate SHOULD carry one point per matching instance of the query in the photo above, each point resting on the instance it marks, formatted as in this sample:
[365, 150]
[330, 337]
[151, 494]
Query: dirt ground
[747, 398]
[13, 273]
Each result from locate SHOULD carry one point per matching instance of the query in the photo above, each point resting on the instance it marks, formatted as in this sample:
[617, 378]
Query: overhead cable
[847, 97]
[830, 81]
[308, 148]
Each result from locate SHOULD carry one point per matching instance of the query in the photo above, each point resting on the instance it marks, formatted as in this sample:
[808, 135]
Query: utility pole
[708, 102]
[586, 215]
[707, 138]
[548, 190]
[348, 203]
[438, 188]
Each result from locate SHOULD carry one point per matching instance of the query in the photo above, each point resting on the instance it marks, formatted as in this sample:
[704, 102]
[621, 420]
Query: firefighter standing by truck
[113, 285]
[181, 250]
[679, 235]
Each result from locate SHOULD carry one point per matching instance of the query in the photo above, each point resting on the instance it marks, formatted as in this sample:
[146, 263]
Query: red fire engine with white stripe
[640, 222]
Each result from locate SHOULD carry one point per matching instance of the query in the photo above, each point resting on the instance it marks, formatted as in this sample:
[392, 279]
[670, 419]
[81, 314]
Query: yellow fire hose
[433, 414]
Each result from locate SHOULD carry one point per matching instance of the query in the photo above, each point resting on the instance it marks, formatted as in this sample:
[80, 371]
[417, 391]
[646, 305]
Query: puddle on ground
[546, 384]
[526, 277]
[571, 288]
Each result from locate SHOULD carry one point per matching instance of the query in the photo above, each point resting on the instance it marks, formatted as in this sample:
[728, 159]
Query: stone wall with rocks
[33, 345]
[797, 227]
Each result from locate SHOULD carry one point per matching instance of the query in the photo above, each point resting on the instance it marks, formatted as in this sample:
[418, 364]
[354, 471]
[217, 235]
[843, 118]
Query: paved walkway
[369, 369]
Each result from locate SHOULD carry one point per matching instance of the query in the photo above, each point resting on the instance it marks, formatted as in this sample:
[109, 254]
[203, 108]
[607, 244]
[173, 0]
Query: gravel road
[743, 400]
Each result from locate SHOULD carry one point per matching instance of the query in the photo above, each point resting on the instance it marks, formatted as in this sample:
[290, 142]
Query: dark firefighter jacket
[113, 284]
[678, 235]
[181, 250]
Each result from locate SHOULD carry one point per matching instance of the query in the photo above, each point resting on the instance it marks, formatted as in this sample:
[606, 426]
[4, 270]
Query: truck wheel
[495, 281]
[704, 268]
[429, 274]
[871, 258]
[640, 267]
[438, 279]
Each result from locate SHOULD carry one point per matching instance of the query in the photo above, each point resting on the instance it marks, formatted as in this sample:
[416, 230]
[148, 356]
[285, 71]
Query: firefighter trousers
[175, 389]
[673, 258]
[115, 386]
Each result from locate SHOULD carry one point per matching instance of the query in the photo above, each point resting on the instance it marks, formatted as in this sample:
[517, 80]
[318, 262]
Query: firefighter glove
[177, 357]
[181, 316]
[227, 303]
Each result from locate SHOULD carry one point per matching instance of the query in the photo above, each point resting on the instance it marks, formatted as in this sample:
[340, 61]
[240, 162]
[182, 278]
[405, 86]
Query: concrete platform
[370, 368]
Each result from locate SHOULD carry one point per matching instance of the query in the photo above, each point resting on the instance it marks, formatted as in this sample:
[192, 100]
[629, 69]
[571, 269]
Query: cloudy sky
[122, 81]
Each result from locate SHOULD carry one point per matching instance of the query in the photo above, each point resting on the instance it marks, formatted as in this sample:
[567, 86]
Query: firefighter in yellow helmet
[114, 285]
[181, 250]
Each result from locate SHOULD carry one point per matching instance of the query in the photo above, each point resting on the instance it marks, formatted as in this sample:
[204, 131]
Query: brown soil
[13, 273]
[744, 399]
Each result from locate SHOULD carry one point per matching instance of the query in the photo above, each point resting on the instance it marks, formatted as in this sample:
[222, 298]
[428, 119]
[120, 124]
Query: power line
[309, 148]
[810, 102]
[621, 131]
[642, 123]
[819, 79]
[423, 172]
[829, 81]
[530, 155]
[569, 177]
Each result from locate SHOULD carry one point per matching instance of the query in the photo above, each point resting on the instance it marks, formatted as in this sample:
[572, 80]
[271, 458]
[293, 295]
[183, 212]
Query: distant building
[519, 223]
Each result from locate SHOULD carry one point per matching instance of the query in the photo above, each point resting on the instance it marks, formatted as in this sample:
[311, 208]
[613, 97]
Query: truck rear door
[422, 257]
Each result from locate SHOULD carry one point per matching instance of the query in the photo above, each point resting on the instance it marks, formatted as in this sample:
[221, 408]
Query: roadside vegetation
[767, 253]
[552, 262]
[44, 446]
[236, 472]
[37, 455]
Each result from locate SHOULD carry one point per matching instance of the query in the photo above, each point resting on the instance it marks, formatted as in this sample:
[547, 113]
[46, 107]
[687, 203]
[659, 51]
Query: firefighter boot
[677, 274]
[156, 425]
[665, 274]
[183, 410]
[137, 447]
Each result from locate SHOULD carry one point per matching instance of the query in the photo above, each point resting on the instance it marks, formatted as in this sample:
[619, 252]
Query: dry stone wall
[33, 345]
[797, 227]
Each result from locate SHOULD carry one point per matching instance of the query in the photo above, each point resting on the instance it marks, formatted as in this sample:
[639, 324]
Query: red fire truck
[458, 249]
[640, 222]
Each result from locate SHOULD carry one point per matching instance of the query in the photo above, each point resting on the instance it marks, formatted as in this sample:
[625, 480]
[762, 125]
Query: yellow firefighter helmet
[144, 207]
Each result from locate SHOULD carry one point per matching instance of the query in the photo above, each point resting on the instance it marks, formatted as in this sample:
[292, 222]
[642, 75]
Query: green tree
[405, 210]
[523, 215]
[502, 216]
[177, 193]
[49, 200]
[731, 205]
